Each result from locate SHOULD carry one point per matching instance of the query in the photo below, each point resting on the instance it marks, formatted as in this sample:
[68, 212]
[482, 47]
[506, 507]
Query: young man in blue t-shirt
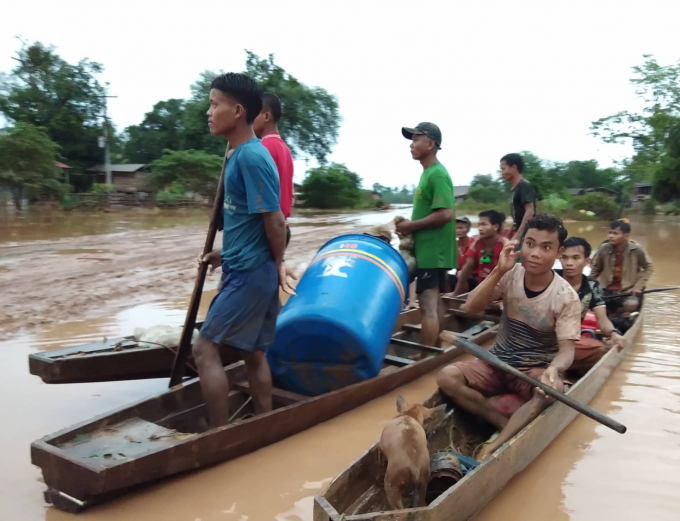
[243, 314]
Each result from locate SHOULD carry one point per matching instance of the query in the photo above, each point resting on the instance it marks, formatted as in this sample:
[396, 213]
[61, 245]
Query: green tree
[536, 174]
[582, 174]
[604, 206]
[161, 129]
[310, 116]
[331, 186]
[195, 120]
[666, 185]
[485, 188]
[659, 88]
[62, 98]
[27, 162]
[194, 170]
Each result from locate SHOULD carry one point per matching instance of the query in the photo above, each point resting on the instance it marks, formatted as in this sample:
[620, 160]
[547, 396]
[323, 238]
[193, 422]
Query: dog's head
[419, 412]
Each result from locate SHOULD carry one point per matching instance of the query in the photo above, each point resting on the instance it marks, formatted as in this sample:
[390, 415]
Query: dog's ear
[401, 404]
[435, 412]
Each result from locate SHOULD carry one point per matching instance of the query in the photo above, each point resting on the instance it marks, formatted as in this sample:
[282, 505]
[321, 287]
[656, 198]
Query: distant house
[460, 193]
[582, 191]
[65, 169]
[643, 191]
[123, 177]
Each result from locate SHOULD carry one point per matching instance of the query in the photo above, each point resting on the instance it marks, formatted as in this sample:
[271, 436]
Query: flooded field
[75, 278]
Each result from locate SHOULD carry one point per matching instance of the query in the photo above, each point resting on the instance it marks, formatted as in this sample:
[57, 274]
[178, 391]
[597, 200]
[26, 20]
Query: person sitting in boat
[588, 350]
[540, 324]
[622, 267]
[482, 257]
[463, 241]
[243, 314]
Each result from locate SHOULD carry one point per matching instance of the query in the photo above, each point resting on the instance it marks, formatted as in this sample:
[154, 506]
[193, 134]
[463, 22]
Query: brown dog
[404, 445]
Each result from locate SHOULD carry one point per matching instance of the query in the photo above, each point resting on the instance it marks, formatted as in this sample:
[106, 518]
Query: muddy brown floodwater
[70, 279]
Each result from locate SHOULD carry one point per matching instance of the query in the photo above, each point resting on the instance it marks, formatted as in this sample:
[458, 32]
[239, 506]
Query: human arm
[463, 275]
[644, 262]
[442, 208]
[527, 198]
[608, 329]
[553, 375]
[492, 287]
[262, 187]
[275, 228]
[528, 214]
[436, 219]
[568, 331]
[596, 266]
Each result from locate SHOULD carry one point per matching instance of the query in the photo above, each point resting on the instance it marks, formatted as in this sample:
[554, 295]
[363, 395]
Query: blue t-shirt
[251, 188]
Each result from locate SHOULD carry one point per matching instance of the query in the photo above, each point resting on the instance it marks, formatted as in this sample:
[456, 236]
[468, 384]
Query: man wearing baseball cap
[433, 228]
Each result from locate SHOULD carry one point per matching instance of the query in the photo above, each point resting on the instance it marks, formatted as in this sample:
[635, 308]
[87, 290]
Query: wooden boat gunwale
[463, 500]
[84, 483]
[100, 363]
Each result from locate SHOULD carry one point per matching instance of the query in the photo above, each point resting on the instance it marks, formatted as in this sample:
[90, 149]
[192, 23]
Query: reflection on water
[588, 473]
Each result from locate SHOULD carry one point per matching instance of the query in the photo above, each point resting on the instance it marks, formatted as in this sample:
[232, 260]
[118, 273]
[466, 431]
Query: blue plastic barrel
[336, 331]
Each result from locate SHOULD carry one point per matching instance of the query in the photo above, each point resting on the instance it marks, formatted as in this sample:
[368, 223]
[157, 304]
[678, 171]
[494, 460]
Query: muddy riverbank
[103, 264]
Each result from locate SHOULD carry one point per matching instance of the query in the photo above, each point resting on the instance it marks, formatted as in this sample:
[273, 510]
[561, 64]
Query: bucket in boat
[336, 331]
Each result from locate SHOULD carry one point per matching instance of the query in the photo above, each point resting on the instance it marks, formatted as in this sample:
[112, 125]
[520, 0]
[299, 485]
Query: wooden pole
[184, 348]
[493, 361]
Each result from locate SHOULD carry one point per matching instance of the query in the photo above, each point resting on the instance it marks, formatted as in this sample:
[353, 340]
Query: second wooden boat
[357, 494]
[157, 437]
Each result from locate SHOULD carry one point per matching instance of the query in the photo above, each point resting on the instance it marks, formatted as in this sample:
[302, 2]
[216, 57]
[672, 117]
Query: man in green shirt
[433, 228]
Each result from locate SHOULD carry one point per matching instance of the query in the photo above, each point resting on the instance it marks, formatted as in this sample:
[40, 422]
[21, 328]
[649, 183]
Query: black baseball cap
[427, 129]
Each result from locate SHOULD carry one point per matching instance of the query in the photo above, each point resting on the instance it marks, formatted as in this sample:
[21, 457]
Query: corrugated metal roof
[460, 191]
[117, 168]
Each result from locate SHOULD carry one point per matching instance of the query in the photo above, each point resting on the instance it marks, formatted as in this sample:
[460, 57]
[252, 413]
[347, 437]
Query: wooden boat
[109, 360]
[357, 494]
[119, 359]
[104, 457]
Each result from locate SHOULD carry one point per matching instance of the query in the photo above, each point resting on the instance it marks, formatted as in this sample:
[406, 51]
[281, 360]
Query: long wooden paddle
[644, 292]
[182, 355]
[492, 360]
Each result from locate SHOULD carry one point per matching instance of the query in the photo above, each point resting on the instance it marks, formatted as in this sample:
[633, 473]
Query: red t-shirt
[463, 250]
[477, 252]
[284, 163]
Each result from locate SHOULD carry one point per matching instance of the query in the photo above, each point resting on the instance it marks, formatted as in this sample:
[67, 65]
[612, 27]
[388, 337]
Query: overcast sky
[496, 77]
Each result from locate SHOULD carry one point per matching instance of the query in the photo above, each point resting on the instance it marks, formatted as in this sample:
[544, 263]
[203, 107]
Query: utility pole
[107, 153]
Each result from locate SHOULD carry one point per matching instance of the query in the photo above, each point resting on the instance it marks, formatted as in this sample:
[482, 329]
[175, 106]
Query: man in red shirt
[482, 256]
[266, 126]
[463, 242]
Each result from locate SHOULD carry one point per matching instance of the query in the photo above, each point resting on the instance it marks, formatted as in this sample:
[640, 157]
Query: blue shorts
[243, 313]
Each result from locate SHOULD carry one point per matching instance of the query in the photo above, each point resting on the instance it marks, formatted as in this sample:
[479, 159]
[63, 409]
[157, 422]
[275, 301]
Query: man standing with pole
[243, 314]
[433, 228]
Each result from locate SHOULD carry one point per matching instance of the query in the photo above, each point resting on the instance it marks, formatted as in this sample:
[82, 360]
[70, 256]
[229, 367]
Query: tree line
[55, 109]
[58, 107]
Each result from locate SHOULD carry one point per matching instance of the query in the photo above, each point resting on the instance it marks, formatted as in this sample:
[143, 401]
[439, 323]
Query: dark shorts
[287, 235]
[472, 282]
[432, 278]
[243, 313]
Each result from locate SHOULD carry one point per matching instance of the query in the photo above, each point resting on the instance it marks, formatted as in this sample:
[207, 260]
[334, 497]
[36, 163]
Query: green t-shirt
[436, 247]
